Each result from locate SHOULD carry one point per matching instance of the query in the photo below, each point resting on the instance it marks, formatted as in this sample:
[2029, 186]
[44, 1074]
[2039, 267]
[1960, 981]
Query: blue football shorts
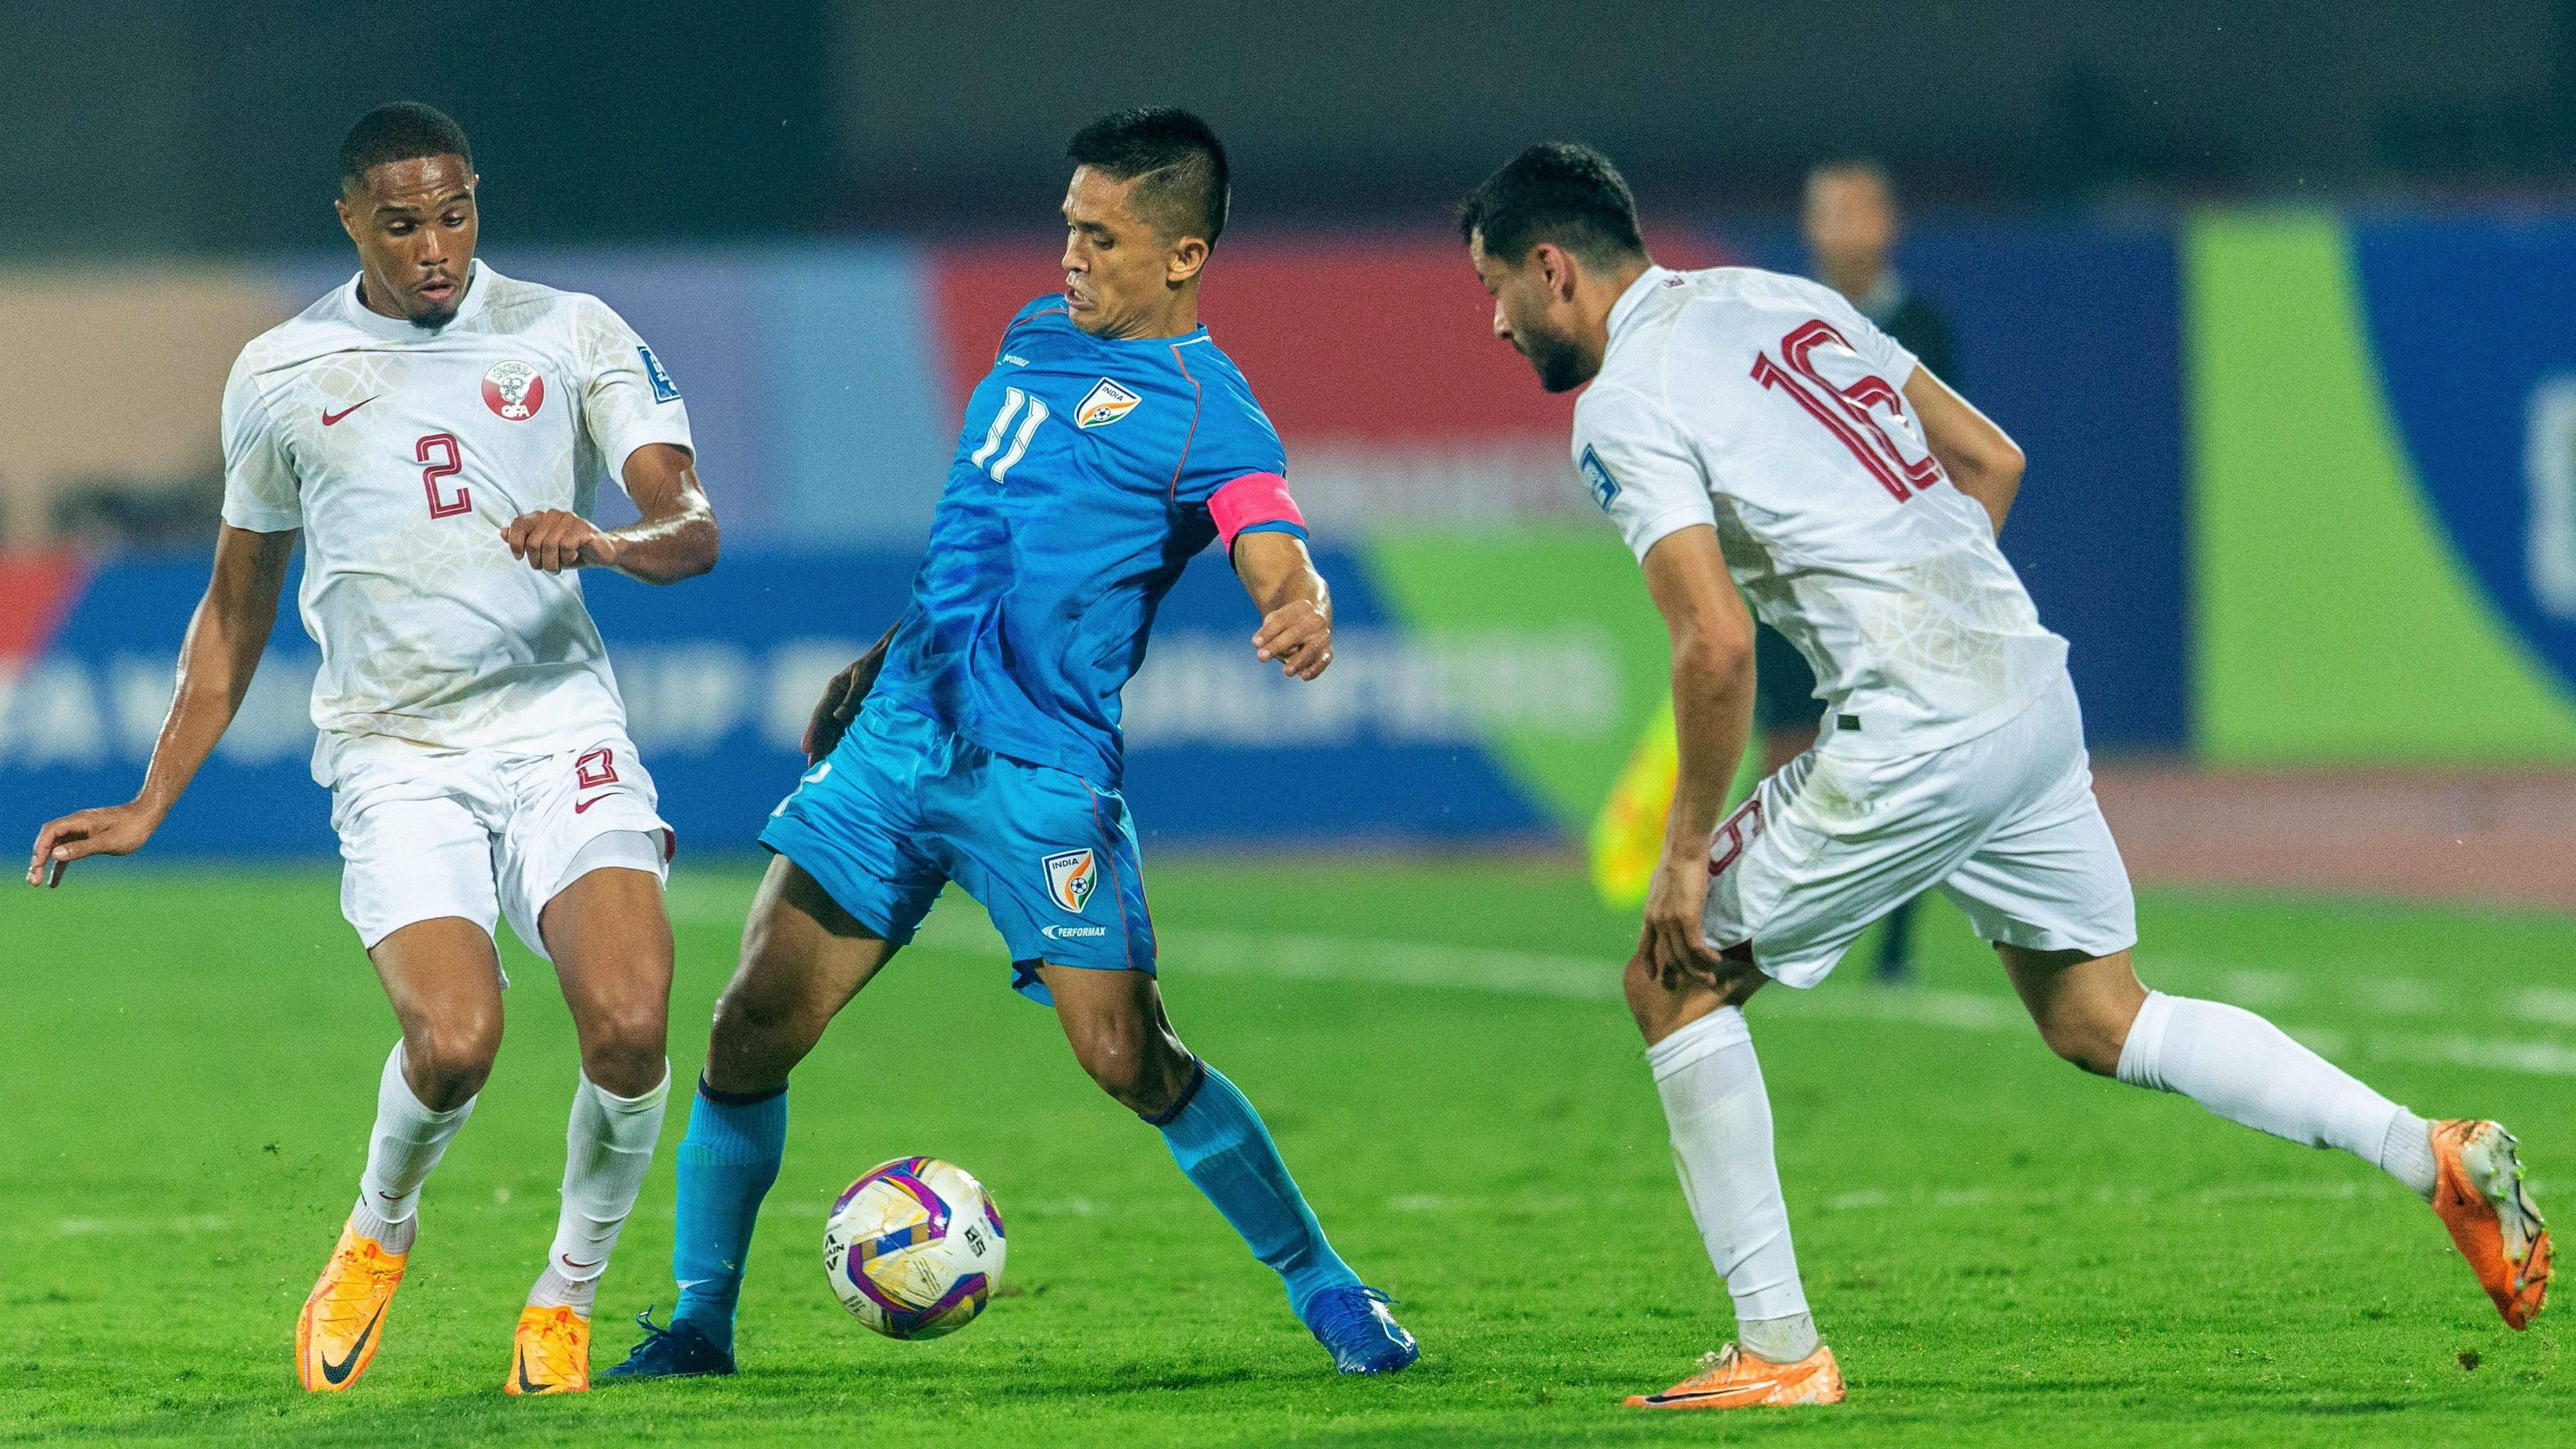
[904, 805]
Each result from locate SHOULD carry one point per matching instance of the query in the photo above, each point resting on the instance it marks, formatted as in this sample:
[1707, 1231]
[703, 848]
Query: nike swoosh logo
[1754, 1390]
[580, 806]
[579, 1267]
[527, 1385]
[329, 417]
[339, 1372]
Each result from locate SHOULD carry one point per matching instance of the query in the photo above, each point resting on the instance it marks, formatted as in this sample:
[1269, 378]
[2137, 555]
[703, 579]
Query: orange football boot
[2477, 1188]
[343, 1323]
[551, 1354]
[1733, 1379]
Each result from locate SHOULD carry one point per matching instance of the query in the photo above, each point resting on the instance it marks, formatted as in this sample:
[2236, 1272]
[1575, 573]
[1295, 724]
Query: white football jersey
[1770, 408]
[402, 452]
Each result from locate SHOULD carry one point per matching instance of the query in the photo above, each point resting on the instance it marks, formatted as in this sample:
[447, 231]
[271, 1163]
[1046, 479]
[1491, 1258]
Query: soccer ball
[914, 1248]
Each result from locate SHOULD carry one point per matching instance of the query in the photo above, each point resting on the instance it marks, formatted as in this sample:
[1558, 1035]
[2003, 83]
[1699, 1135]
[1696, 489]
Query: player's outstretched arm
[1296, 609]
[224, 644]
[1982, 460]
[1712, 718]
[674, 540]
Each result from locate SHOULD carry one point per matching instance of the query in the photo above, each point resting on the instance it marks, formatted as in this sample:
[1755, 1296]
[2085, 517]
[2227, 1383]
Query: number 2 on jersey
[1844, 411]
[447, 467]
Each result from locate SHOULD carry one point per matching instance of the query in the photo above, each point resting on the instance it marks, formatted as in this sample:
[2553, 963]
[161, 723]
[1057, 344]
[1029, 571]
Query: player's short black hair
[1558, 192]
[1179, 157]
[400, 131]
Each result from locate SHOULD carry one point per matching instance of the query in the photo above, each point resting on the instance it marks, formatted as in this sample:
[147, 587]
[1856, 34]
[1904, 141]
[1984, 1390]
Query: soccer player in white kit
[1752, 432]
[436, 431]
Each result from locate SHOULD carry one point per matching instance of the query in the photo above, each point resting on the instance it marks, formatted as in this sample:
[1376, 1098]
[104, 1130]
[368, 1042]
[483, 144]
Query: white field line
[956, 927]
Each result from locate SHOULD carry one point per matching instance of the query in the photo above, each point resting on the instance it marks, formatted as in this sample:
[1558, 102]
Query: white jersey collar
[478, 282]
[1635, 297]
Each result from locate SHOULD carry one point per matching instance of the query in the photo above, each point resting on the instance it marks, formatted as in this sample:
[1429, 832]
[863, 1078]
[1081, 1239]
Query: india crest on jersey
[1106, 403]
[1071, 874]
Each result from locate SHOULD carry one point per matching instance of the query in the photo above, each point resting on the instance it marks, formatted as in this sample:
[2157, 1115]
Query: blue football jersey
[1080, 488]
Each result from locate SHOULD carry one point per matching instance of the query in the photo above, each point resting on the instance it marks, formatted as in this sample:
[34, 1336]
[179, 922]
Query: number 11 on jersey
[446, 467]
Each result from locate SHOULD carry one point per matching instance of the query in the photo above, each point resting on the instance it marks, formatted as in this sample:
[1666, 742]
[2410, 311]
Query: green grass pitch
[2000, 1249]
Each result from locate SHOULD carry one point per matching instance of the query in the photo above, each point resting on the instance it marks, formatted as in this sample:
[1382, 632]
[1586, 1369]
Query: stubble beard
[1559, 363]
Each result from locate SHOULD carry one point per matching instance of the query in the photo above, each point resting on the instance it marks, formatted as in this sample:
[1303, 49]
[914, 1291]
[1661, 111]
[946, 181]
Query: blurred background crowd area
[2277, 297]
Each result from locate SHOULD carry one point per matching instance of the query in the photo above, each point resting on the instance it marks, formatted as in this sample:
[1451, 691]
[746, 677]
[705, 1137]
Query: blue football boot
[1353, 1322]
[677, 1352]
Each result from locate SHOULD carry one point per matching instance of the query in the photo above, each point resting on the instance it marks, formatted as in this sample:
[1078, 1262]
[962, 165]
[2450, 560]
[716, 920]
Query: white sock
[2406, 1152]
[1720, 1118]
[2247, 1070]
[407, 1142]
[609, 1144]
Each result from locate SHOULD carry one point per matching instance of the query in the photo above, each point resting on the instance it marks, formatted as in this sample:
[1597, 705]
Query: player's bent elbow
[2010, 465]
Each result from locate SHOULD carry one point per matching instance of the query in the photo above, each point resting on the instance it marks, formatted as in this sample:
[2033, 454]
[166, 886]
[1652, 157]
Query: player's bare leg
[803, 959]
[1122, 1036]
[444, 980]
[1719, 1116]
[2093, 1012]
[1115, 1022]
[611, 943]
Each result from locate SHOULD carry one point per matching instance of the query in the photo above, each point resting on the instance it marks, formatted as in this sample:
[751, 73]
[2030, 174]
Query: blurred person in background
[1850, 224]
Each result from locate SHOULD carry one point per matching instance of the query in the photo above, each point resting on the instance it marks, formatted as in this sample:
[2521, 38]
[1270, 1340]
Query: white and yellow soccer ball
[914, 1248]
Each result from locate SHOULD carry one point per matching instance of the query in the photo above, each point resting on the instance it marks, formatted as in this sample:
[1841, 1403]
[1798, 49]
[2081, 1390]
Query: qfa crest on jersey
[1106, 403]
[1070, 875]
[1598, 479]
[513, 390]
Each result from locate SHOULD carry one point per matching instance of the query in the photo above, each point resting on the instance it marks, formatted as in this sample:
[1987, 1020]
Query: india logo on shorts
[514, 390]
[1070, 876]
[1106, 403]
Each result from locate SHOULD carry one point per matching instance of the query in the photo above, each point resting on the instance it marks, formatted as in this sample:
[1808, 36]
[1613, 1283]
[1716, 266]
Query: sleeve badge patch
[664, 390]
[1106, 403]
[1604, 487]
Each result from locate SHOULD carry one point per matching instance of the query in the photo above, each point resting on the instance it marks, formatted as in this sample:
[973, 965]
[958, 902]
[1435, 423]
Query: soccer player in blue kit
[1110, 443]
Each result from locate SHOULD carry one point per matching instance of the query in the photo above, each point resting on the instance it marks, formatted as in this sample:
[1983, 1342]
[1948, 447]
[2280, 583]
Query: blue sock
[1220, 1143]
[727, 1162]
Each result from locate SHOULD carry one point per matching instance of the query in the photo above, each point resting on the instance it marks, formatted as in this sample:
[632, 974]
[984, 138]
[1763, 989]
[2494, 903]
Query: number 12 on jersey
[447, 466]
[1844, 411]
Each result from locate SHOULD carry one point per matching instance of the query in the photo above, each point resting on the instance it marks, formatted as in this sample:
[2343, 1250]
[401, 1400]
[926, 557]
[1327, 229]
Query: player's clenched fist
[1299, 635]
[556, 540]
[109, 830]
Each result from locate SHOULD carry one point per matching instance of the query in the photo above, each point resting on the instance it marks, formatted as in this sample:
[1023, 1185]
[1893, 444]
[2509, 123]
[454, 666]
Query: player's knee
[1115, 1058]
[744, 1015]
[2088, 1040]
[1135, 1063]
[447, 1061]
[623, 1053]
[1659, 1009]
[1648, 1001]
[762, 1032]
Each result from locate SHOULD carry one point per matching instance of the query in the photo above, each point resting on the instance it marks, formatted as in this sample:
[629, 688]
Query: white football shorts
[2005, 825]
[482, 833]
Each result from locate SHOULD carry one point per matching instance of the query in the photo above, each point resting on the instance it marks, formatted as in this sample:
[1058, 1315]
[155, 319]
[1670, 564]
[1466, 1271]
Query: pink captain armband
[1252, 500]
